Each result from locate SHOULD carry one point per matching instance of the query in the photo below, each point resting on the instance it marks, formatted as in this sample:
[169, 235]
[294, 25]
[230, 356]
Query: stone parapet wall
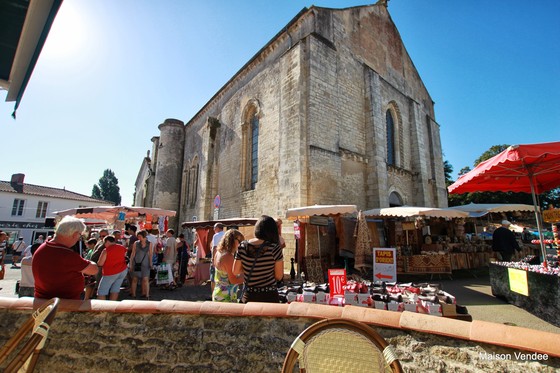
[173, 336]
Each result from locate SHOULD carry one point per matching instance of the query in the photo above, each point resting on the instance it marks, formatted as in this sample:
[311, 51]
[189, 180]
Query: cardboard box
[322, 298]
[308, 297]
[364, 300]
[449, 309]
[379, 305]
[395, 306]
[291, 297]
[411, 307]
[337, 300]
[351, 299]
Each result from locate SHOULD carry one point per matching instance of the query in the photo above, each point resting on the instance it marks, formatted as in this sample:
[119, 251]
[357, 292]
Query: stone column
[169, 168]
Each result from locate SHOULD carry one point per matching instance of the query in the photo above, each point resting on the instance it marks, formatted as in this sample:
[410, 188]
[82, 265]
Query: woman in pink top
[113, 261]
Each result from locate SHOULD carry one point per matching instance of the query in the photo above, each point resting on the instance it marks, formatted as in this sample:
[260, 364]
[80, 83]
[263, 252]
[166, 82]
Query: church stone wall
[322, 88]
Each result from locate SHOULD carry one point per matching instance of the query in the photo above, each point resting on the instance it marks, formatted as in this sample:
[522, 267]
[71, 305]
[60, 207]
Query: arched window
[390, 138]
[191, 183]
[395, 200]
[250, 151]
[254, 151]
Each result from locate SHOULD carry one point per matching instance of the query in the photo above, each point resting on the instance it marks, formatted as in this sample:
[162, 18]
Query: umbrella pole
[319, 242]
[537, 217]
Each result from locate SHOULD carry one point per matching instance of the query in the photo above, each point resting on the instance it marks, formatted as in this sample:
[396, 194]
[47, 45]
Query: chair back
[340, 345]
[38, 324]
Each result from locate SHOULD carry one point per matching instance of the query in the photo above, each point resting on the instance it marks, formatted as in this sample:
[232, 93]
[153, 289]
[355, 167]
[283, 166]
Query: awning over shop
[239, 222]
[110, 213]
[476, 210]
[307, 211]
[409, 211]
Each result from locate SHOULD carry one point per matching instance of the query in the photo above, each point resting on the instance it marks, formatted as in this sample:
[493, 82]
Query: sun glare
[68, 34]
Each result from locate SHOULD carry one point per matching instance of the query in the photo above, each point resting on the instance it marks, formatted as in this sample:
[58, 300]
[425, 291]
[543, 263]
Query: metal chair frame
[38, 324]
[344, 328]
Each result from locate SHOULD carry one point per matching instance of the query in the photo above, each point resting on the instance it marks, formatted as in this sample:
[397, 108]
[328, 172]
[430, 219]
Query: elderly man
[57, 269]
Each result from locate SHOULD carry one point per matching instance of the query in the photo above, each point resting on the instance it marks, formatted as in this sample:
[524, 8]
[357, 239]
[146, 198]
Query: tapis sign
[384, 264]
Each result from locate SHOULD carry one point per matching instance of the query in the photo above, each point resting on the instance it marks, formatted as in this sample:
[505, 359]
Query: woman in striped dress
[261, 262]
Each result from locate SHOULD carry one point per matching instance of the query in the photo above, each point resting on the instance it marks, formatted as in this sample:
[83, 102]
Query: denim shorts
[111, 284]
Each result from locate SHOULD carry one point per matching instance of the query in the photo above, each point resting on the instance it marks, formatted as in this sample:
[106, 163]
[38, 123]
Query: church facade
[330, 111]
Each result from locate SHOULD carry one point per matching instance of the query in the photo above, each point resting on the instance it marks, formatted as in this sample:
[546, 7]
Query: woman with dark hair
[261, 263]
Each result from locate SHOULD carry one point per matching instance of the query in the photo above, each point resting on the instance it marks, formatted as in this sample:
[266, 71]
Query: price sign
[337, 280]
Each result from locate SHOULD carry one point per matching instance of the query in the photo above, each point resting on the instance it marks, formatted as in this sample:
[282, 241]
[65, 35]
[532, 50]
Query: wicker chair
[28, 355]
[339, 345]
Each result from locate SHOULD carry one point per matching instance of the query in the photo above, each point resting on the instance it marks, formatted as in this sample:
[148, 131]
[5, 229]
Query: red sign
[337, 280]
[217, 201]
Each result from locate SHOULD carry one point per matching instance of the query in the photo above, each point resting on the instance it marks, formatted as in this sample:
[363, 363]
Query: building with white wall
[24, 208]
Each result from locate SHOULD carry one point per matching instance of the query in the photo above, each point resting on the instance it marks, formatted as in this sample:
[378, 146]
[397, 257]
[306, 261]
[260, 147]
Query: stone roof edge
[477, 331]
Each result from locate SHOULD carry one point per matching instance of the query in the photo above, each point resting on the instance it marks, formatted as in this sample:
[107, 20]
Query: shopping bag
[164, 275]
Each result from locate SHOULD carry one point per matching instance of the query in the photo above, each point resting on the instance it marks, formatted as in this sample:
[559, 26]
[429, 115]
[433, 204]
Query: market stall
[424, 237]
[534, 169]
[117, 216]
[324, 238]
[202, 239]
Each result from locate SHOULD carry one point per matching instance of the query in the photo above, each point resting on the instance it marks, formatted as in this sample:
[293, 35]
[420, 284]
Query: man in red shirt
[57, 269]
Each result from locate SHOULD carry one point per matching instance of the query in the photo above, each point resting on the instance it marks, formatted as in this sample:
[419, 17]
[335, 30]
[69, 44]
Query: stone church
[330, 111]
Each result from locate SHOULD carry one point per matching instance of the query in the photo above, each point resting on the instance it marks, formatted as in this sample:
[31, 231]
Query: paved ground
[189, 292]
[471, 289]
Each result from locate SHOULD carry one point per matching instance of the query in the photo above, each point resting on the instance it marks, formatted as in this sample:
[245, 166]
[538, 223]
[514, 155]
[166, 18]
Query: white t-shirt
[217, 237]
[19, 246]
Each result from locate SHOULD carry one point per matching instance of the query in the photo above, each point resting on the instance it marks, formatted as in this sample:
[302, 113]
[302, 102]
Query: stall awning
[307, 211]
[238, 222]
[476, 210]
[408, 211]
[111, 212]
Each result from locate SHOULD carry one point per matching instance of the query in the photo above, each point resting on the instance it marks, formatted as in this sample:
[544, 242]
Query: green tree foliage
[494, 150]
[464, 170]
[448, 170]
[96, 192]
[108, 188]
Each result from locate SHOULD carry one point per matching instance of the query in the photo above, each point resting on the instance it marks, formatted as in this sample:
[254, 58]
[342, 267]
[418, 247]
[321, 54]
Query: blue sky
[112, 71]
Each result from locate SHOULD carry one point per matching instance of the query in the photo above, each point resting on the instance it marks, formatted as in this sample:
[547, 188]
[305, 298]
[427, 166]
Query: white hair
[69, 225]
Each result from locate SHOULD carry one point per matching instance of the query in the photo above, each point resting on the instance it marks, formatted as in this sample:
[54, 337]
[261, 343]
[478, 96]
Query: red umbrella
[530, 168]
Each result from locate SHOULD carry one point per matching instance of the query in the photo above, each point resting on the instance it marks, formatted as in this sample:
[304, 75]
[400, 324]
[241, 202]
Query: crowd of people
[74, 264]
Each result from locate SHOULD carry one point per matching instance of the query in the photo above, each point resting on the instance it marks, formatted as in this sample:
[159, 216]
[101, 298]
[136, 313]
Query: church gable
[305, 122]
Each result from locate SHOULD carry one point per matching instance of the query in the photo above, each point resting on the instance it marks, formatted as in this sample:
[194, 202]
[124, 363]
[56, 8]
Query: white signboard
[385, 264]
[216, 213]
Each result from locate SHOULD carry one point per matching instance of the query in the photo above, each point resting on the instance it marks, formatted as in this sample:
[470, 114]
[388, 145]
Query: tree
[447, 170]
[108, 188]
[464, 170]
[494, 150]
[96, 192]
